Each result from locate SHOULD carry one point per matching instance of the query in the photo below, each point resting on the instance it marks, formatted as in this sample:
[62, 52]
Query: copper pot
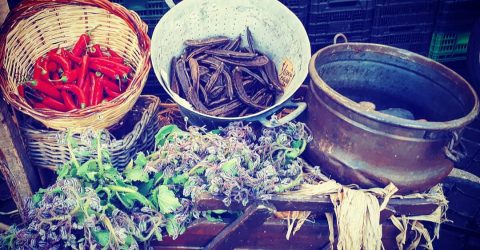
[380, 114]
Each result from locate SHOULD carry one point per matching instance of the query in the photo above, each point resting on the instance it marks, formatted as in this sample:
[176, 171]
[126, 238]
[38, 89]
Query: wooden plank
[15, 165]
[270, 235]
[253, 217]
[322, 204]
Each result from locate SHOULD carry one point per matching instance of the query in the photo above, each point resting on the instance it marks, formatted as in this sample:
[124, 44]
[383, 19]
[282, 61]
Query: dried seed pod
[242, 95]
[206, 42]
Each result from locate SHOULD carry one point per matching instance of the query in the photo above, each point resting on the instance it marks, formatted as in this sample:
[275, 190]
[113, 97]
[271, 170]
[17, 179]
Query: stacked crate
[329, 17]
[299, 8]
[150, 11]
[454, 22]
[406, 24]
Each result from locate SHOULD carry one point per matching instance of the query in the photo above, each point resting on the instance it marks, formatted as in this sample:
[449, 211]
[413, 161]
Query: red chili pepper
[55, 76]
[54, 104]
[52, 52]
[98, 93]
[95, 51]
[114, 59]
[83, 72]
[77, 91]
[39, 71]
[114, 54]
[86, 88]
[70, 76]
[82, 42]
[104, 70]
[107, 62]
[93, 87]
[106, 83]
[52, 66]
[39, 105]
[68, 100]
[61, 60]
[21, 90]
[111, 93]
[46, 88]
[81, 45]
[108, 99]
[73, 58]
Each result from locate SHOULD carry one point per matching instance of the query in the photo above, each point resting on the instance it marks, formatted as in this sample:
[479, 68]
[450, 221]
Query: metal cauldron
[356, 143]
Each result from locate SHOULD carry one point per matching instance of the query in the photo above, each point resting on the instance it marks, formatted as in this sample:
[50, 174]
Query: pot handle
[170, 3]
[335, 38]
[299, 108]
[450, 150]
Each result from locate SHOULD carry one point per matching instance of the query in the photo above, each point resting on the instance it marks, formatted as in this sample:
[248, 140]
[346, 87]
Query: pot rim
[385, 118]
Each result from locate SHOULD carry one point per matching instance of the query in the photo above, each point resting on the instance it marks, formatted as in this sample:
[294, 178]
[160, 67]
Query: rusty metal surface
[361, 145]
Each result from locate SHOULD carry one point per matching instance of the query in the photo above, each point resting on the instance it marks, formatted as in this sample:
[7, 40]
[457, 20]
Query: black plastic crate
[299, 7]
[329, 17]
[324, 6]
[457, 15]
[150, 11]
[415, 38]
[405, 12]
[319, 41]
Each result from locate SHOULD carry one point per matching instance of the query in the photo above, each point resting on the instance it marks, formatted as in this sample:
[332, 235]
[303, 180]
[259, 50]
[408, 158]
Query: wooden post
[15, 165]
[254, 216]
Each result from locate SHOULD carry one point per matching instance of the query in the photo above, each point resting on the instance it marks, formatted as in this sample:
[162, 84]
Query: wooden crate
[257, 228]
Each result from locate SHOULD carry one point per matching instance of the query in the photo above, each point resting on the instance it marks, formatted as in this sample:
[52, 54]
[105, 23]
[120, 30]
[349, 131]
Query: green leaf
[129, 166]
[141, 160]
[230, 167]
[200, 171]
[216, 131]
[210, 218]
[146, 188]
[83, 153]
[88, 165]
[158, 234]
[102, 237]
[173, 228]
[63, 171]
[129, 240]
[36, 198]
[94, 142]
[72, 141]
[167, 202]
[164, 132]
[126, 200]
[136, 174]
[154, 197]
[91, 175]
[297, 144]
[180, 179]
[219, 211]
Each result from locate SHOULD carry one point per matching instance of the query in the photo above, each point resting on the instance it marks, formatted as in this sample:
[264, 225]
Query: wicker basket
[47, 148]
[37, 26]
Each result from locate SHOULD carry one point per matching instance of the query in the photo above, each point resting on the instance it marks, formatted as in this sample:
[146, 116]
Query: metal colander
[276, 30]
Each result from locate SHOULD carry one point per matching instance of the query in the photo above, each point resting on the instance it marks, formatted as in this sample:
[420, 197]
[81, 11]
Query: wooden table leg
[254, 216]
[15, 165]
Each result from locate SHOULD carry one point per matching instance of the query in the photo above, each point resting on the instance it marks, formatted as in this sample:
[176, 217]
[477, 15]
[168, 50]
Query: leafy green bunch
[94, 205]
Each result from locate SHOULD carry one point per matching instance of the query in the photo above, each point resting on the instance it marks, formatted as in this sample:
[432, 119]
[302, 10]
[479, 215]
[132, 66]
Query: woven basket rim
[30, 7]
[153, 105]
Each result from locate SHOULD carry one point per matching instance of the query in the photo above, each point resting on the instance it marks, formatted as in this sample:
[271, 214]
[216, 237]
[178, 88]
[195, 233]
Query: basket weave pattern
[48, 147]
[37, 26]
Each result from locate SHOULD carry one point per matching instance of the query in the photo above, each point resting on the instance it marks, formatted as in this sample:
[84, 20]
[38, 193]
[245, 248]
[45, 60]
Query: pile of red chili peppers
[85, 76]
